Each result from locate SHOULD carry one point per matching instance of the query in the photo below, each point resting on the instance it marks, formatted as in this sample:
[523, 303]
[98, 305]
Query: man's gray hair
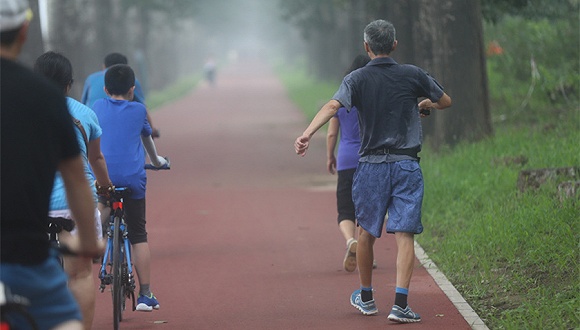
[380, 36]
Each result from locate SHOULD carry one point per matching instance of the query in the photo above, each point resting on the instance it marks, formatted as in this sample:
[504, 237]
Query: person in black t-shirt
[37, 138]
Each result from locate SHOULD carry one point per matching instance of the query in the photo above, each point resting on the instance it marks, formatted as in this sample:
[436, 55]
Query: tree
[34, 46]
[445, 37]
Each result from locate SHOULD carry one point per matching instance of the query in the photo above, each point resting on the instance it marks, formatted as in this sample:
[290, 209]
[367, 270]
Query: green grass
[513, 256]
[156, 99]
[305, 91]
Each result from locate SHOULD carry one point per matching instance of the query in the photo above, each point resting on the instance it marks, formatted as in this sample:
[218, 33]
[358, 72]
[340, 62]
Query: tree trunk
[445, 37]
[34, 45]
[449, 44]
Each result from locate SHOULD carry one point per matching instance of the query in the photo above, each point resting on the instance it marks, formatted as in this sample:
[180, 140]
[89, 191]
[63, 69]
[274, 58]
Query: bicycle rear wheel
[117, 286]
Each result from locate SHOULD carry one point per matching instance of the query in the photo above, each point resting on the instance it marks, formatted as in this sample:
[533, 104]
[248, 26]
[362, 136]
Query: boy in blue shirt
[126, 131]
[94, 90]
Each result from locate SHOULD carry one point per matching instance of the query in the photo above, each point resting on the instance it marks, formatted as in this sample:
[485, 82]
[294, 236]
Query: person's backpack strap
[83, 132]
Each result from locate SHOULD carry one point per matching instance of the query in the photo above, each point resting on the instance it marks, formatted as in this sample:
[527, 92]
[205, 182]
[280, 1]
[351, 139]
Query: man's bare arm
[322, 117]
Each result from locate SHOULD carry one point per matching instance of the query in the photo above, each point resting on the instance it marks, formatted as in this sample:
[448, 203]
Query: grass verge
[156, 99]
[513, 256]
[306, 92]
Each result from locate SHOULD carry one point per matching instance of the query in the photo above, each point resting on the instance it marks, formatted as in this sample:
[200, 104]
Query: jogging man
[388, 177]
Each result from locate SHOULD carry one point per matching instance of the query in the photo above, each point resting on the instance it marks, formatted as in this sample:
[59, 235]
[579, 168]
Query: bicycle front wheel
[117, 286]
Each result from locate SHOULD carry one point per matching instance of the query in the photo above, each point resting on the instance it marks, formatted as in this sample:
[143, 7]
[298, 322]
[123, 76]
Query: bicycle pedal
[108, 279]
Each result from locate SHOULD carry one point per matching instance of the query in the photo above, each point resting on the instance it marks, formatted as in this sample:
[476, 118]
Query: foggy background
[168, 40]
[164, 40]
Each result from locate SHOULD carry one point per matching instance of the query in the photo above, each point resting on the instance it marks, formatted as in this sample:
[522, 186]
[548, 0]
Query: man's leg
[362, 299]
[405, 263]
[69, 325]
[81, 285]
[80, 282]
[365, 257]
[405, 259]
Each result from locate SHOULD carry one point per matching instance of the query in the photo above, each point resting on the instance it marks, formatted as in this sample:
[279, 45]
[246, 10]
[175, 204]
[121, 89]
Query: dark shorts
[396, 188]
[135, 219]
[344, 203]
[45, 286]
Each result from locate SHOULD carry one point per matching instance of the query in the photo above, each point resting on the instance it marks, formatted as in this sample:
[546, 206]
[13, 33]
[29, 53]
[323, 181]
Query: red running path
[243, 232]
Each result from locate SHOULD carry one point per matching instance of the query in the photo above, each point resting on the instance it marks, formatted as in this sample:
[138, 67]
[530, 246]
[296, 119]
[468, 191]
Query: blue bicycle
[117, 267]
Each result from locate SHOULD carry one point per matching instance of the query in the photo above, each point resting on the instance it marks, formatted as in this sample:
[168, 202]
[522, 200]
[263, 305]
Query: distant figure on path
[388, 177]
[209, 70]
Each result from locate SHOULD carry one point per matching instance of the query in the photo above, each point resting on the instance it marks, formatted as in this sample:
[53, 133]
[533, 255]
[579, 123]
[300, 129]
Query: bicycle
[13, 304]
[55, 226]
[117, 267]
[16, 304]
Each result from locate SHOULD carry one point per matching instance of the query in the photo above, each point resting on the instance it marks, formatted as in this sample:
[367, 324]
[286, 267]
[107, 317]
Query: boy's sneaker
[367, 308]
[147, 304]
[403, 315]
[349, 262]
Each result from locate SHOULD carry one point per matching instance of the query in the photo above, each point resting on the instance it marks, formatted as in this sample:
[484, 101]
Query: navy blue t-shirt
[386, 95]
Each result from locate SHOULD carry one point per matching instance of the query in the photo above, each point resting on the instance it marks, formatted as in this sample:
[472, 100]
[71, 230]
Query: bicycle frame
[117, 267]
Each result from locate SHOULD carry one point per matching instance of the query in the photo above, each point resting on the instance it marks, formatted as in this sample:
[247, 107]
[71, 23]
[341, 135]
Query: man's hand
[301, 145]
[425, 108]
[106, 190]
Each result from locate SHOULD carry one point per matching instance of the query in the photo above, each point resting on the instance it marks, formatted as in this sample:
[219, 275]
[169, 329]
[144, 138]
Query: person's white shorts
[67, 215]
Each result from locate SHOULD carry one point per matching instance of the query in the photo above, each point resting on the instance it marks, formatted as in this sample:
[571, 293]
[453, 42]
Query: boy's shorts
[344, 203]
[45, 286]
[396, 187]
[134, 217]
[68, 215]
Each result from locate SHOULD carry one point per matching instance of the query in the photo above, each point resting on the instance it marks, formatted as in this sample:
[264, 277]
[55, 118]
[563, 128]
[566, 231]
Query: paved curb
[466, 311]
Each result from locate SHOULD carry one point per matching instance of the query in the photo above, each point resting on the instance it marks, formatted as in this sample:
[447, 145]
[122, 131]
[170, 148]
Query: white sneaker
[349, 262]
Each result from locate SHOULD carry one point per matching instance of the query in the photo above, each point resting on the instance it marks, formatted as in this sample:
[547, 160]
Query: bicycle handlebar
[166, 166]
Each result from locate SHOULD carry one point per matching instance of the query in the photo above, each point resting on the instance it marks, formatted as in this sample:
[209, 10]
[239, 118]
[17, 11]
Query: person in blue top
[58, 69]
[388, 177]
[94, 87]
[345, 124]
[125, 132]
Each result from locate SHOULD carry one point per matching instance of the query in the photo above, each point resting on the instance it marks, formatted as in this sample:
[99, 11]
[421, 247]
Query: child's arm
[149, 145]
